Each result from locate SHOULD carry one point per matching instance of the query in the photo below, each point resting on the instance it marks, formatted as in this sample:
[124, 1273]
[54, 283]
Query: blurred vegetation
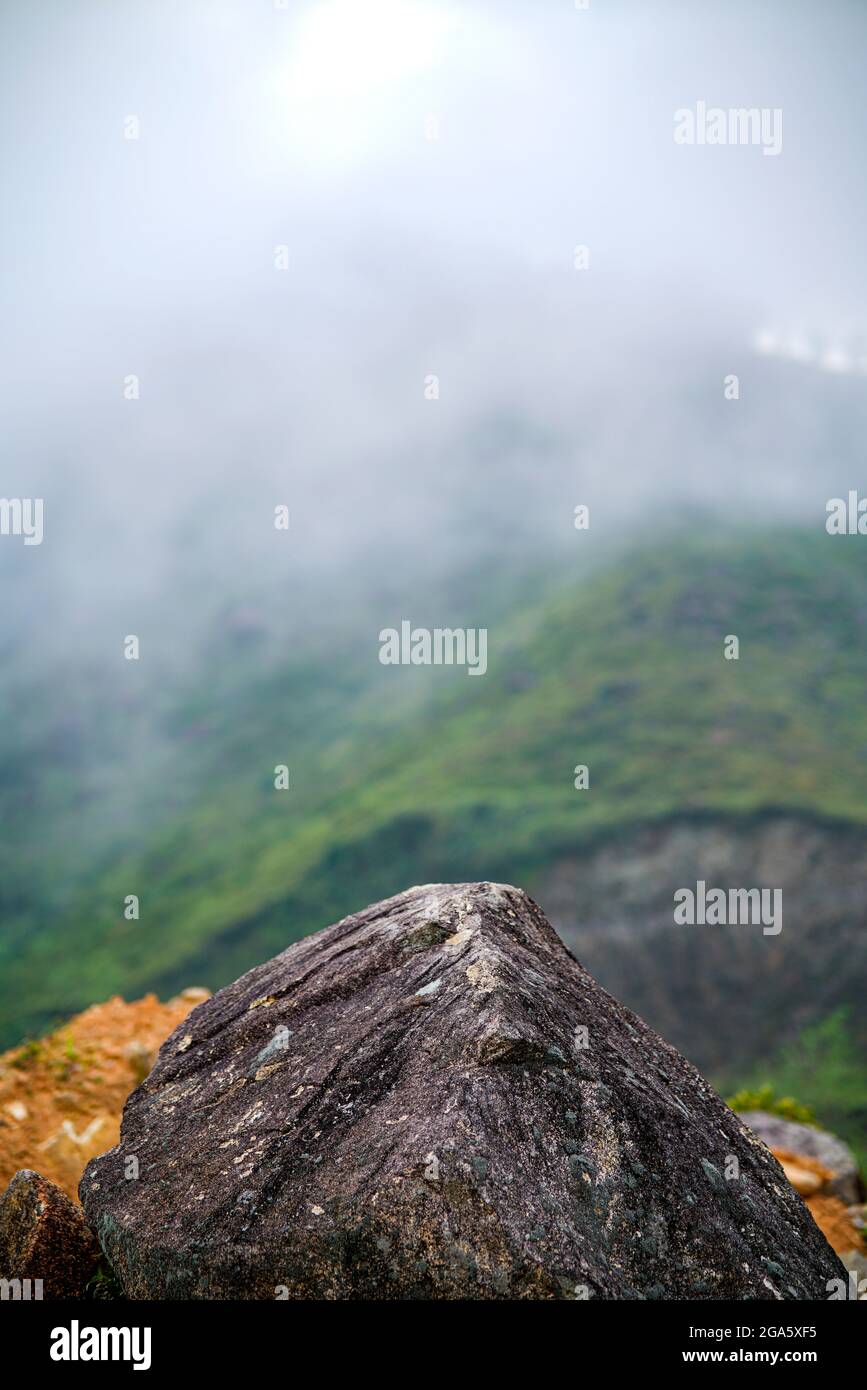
[766, 1099]
[825, 1067]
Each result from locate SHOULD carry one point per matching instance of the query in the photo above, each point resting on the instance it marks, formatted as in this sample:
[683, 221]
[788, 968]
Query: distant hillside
[402, 776]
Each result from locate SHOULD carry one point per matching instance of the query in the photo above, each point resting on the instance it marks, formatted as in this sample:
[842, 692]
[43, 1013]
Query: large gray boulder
[433, 1099]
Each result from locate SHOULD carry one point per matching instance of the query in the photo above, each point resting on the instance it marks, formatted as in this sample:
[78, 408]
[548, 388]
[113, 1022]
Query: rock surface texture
[43, 1236]
[433, 1099]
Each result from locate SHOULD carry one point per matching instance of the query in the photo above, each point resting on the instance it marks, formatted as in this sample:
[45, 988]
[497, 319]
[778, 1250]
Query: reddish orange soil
[61, 1098]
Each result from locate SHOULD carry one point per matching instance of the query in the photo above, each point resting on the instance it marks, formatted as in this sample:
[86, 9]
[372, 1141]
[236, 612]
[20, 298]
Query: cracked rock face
[433, 1099]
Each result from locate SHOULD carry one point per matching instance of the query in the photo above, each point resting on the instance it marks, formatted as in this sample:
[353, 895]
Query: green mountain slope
[401, 776]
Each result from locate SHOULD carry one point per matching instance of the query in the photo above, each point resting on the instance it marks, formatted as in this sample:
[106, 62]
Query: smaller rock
[44, 1236]
[810, 1142]
[802, 1180]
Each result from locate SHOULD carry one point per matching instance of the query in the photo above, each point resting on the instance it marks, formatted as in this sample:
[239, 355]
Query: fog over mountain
[308, 127]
